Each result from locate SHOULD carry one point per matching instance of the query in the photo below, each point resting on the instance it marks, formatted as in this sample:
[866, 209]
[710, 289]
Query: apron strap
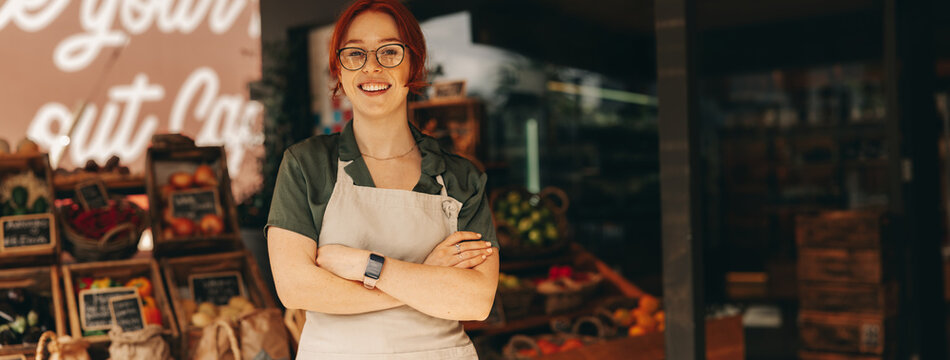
[341, 176]
[442, 192]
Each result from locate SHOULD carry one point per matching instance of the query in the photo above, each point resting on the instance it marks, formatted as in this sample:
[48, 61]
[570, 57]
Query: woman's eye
[354, 53]
[389, 52]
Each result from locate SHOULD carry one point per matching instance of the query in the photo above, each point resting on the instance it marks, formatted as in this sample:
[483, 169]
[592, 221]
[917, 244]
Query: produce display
[529, 217]
[565, 278]
[110, 171]
[550, 347]
[645, 318]
[207, 313]
[177, 227]
[153, 314]
[23, 194]
[511, 282]
[24, 147]
[23, 316]
[94, 223]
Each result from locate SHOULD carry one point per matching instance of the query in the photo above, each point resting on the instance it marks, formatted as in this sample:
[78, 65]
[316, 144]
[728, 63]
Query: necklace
[391, 157]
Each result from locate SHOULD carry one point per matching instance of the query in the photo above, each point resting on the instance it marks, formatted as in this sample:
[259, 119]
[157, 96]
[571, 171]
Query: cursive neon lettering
[31, 15]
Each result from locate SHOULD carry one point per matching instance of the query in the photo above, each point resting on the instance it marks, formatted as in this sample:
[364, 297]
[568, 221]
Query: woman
[364, 229]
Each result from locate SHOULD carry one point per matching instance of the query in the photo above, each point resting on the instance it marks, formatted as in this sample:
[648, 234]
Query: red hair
[409, 32]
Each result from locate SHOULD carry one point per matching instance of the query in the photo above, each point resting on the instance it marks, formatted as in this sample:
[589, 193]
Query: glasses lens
[390, 55]
[352, 59]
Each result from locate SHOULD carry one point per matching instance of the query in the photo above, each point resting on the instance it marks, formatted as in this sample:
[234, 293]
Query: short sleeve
[290, 208]
[476, 215]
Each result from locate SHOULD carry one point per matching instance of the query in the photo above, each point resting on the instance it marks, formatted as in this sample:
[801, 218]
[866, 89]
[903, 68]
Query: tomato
[142, 284]
[152, 315]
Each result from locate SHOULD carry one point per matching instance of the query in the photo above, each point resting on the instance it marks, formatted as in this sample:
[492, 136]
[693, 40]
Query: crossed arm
[329, 279]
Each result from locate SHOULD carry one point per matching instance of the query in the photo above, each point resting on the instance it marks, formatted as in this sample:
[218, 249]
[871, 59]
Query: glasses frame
[375, 53]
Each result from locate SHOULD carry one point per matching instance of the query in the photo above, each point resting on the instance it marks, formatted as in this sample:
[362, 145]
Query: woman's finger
[472, 245]
[472, 262]
[460, 236]
[465, 259]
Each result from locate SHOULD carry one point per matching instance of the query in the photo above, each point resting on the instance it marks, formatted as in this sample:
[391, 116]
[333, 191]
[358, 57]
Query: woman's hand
[343, 261]
[457, 251]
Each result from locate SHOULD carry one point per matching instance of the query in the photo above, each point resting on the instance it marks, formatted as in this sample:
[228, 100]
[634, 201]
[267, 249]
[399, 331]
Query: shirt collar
[432, 161]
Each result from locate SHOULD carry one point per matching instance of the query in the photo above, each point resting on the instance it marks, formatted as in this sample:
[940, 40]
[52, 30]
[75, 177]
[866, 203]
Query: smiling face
[374, 90]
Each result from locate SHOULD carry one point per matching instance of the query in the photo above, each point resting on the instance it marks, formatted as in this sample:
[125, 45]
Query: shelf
[127, 185]
[844, 130]
[483, 328]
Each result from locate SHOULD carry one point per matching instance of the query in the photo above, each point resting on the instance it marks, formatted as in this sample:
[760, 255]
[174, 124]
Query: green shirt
[308, 173]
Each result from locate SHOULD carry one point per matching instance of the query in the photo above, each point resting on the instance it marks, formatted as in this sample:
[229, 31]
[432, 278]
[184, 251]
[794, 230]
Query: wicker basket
[515, 348]
[514, 245]
[516, 303]
[121, 242]
[556, 301]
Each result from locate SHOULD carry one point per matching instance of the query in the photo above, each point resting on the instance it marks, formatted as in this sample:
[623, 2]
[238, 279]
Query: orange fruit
[660, 317]
[636, 330]
[571, 344]
[649, 303]
[644, 320]
[622, 317]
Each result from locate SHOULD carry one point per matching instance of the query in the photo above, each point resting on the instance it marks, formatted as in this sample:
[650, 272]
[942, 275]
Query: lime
[525, 224]
[534, 237]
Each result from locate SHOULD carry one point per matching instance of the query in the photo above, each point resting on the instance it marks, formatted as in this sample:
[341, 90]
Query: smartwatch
[373, 268]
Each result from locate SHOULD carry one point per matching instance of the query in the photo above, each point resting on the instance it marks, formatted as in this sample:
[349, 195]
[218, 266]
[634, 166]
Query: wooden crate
[178, 270]
[843, 332]
[121, 271]
[42, 281]
[46, 254]
[848, 298]
[840, 265]
[159, 164]
[839, 230]
[725, 340]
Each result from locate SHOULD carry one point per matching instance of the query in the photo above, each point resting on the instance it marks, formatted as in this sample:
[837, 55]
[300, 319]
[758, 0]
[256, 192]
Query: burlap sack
[145, 344]
[218, 342]
[62, 348]
[264, 336]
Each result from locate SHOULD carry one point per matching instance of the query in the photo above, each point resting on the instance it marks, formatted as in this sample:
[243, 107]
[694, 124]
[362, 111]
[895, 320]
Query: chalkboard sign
[193, 204]
[94, 310]
[127, 312]
[92, 195]
[216, 288]
[26, 232]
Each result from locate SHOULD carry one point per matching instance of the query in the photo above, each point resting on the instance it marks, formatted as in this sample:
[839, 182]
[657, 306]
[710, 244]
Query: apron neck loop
[442, 192]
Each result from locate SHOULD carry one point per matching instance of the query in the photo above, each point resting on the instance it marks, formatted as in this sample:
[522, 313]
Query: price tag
[127, 312]
[216, 288]
[26, 232]
[194, 204]
[92, 195]
[94, 310]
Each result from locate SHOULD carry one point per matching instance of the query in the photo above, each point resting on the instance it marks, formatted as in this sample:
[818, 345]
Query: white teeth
[374, 87]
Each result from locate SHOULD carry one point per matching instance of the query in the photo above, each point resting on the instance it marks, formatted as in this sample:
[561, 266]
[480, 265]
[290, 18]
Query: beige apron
[397, 224]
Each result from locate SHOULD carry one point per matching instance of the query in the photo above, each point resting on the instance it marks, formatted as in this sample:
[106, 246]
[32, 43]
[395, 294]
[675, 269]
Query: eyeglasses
[388, 56]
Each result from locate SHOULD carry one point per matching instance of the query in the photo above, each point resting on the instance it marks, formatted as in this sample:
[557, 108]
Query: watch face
[373, 268]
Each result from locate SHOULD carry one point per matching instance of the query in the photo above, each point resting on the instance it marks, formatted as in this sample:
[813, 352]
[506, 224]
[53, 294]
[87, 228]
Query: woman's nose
[372, 64]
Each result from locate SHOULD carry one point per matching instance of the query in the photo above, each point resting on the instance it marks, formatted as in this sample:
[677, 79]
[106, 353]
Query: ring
[458, 249]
